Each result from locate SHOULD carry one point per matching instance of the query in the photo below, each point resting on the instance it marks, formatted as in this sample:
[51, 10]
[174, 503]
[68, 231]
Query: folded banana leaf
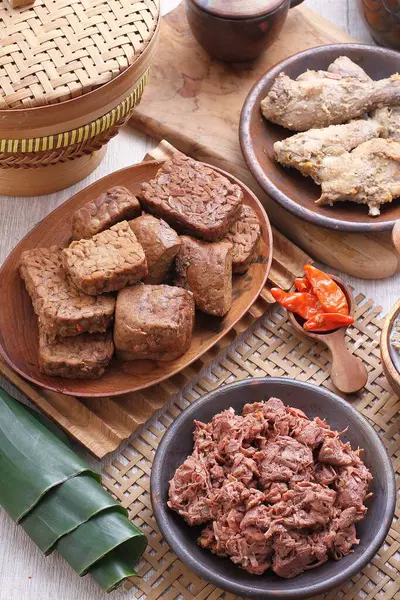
[60, 501]
[32, 459]
[49, 425]
[66, 507]
[104, 533]
[111, 571]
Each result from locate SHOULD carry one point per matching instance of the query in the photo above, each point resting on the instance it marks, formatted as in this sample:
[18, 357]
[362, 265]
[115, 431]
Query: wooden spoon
[396, 235]
[348, 372]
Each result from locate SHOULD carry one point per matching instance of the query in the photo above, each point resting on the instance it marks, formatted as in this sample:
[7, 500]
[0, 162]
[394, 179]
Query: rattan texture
[54, 51]
[269, 347]
[61, 147]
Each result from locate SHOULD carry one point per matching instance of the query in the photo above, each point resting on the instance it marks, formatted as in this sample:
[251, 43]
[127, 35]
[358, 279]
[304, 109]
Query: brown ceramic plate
[177, 444]
[18, 324]
[287, 186]
[390, 356]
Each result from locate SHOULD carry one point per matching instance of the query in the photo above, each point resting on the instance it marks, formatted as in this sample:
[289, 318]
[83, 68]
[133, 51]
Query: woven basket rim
[9, 112]
[63, 139]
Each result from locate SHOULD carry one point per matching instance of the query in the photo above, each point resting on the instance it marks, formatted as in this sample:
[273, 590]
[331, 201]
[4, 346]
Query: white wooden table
[24, 573]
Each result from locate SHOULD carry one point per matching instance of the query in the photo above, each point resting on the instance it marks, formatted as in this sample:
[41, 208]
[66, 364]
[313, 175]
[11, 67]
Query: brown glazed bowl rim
[252, 161]
[177, 443]
[394, 354]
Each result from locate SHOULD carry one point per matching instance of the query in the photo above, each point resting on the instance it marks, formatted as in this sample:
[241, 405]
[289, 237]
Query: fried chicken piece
[345, 67]
[387, 117]
[306, 151]
[367, 175]
[370, 175]
[320, 98]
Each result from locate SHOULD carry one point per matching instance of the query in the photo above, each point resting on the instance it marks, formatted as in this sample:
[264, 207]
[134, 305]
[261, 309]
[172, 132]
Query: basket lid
[56, 50]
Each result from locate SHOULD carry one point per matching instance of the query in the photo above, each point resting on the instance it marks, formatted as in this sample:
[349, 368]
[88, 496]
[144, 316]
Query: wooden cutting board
[195, 103]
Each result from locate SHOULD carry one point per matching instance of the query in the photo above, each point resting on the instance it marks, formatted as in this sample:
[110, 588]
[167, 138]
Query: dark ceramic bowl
[177, 444]
[288, 187]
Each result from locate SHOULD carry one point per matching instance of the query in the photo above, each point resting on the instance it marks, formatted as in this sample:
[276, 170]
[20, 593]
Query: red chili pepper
[329, 293]
[328, 322]
[79, 328]
[303, 285]
[305, 305]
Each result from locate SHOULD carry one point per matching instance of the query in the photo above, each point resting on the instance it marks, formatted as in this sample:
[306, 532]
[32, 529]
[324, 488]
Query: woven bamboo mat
[269, 347]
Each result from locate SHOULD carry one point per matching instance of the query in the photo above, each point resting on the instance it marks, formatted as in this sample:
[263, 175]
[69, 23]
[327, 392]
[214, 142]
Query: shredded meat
[274, 489]
[282, 458]
[189, 491]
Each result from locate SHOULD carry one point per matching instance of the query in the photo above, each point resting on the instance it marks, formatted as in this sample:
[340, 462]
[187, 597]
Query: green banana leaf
[49, 425]
[32, 459]
[102, 534]
[111, 571]
[59, 501]
[66, 507]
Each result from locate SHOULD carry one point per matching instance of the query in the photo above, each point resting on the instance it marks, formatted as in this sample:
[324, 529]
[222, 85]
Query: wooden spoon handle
[348, 373]
[19, 3]
[396, 235]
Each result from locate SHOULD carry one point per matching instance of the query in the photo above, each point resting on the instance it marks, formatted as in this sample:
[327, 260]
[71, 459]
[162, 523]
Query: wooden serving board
[195, 103]
[101, 424]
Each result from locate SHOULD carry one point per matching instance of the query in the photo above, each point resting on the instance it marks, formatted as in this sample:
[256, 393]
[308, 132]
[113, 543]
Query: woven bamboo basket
[71, 74]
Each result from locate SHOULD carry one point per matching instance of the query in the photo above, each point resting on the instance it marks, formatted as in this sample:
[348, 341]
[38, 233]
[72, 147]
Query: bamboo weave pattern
[53, 51]
[52, 149]
[270, 347]
[80, 135]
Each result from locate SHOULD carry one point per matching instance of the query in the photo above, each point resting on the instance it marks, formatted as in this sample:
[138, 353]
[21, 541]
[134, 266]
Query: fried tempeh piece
[160, 244]
[153, 322]
[107, 262]
[63, 310]
[244, 236]
[206, 270]
[116, 204]
[82, 357]
[193, 198]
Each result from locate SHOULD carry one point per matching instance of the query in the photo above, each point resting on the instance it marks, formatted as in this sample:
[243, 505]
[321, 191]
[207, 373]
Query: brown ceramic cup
[237, 30]
[383, 19]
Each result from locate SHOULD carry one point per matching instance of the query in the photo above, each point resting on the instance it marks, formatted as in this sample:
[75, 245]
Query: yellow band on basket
[76, 136]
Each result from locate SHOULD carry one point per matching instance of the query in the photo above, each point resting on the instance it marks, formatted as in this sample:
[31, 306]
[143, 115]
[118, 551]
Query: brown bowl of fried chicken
[273, 488]
[320, 132]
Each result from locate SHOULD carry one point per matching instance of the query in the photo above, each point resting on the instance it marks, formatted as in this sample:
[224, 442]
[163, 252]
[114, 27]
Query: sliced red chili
[305, 305]
[329, 293]
[303, 285]
[327, 322]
